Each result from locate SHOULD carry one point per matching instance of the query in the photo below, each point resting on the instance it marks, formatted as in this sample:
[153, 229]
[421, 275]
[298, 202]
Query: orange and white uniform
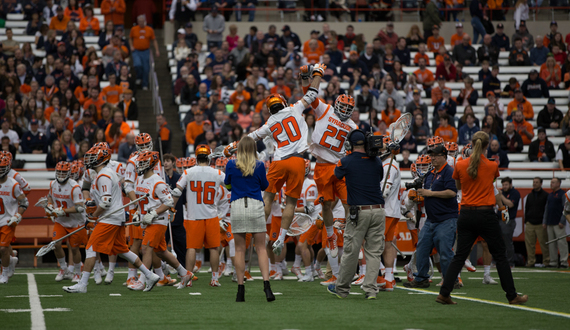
[338, 214]
[276, 215]
[65, 196]
[310, 191]
[392, 200]
[451, 161]
[204, 189]
[289, 131]
[159, 194]
[9, 192]
[224, 214]
[20, 179]
[118, 168]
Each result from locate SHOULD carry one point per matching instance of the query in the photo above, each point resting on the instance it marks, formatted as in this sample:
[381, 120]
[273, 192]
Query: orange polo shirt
[529, 128]
[524, 106]
[193, 130]
[447, 133]
[85, 24]
[56, 24]
[112, 94]
[478, 191]
[418, 56]
[142, 37]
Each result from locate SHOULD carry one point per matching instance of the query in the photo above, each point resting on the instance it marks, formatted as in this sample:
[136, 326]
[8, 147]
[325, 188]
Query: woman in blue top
[246, 179]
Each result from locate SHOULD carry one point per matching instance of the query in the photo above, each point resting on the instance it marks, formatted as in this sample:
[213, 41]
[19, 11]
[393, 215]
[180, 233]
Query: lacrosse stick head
[400, 128]
[42, 202]
[217, 152]
[300, 224]
[46, 249]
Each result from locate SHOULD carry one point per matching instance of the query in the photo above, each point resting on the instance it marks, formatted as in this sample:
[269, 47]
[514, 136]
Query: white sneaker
[469, 266]
[3, 279]
[278, 277]
[228, 271]
[234, 277]
[297, 272]
[171, 270]
[487, 279]
[109, 277]
[136, 285]
[76, 278]
[308, 277]
[12, 267]
[97, 277]
[185, 280]
[284, 268]
[151, 282]
[103, 271]
[320, 274]
[63, 273]
[77, 288]
[215, 283]
[315, 273]
[277, 247]
[359, 281]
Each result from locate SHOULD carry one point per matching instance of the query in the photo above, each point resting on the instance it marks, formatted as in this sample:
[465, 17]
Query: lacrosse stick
[218, 152]
[122, 207]
[51, 246]
[250, 255]
[43, 203]
[398, 131]
[300, 224]
[171, 213]
[557, 239]
[398, 250]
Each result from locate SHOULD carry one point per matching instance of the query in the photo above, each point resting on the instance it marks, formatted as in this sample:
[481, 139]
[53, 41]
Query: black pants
[470, 225]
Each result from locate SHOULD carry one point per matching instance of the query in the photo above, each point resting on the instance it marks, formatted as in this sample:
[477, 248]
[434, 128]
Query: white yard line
[490, 302]
[37, 313]
[41, 296]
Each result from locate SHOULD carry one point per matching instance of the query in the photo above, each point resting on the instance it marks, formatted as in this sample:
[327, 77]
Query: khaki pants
[370, 228]
[531, 234]
[559, 246]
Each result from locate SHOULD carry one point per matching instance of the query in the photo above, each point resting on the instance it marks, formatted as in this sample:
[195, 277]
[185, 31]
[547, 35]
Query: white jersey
[289, 130]
[309, 192]
[203, 191]
[90, 174]
[20, 179]
[392, 201]
[9, 192]
[411, 206]
[224, 205]
[130, 170]
[451, 161]
[107, 183]
[66, 196]
[338, 211]
[159, 194]
[330, 134]
[276, 210]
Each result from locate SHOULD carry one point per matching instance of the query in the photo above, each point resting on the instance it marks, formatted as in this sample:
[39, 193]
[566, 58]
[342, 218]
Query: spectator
[446, 69]
[555, 224]
[347, 68]
[34, 141]
[511, 199]
[279, 88]
[445, 131]
[86, 130]
[181, 47]
[239, 51]
[189, 92]
[59, 21]
[437, 91]
[111, 94]
[525, 36]
[535, 206]
[511, 141]
[55, 155]
[563, 153]
[492, 83]
[420, 129]
[538, 54]
[390, 114]
[523, 127]
[165, 133]
[500, 39]
[191, 37]
[484, 73]
[128, 106]
[181, 12]
[94, 98]
[114, 10]
[489, 126]
[365, 99]
[69, 145]
[240, 95]
[6, 131]
[127, 148]
[534, 87]
[207, 135]
[476, 9]
[89, 24]
[402, 51]
[467, 130]
[494, 152]
[117, 131]
[195, 128]
[9, 46]
[457, 38]
[464, 53]
[488, 51]
[214, 25]
[390, 92]
[518, 55]
[245, 115]
[424, 76]
[550, 116]
[541, 149]
[369, 58]
[468, 95]
[511, 87]
[106, 35]
[414, 38]
[356, 119]
[388, 36]
[498, 123]
[522, 104]
[289, 36]
[431, 19]
[417, 103]
[551, 73]
[140, 38]
[409, 143]
[405, 163]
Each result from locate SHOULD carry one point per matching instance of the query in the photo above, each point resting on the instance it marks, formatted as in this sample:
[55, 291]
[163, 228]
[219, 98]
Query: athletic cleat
[109, 277]
[355, 277]
[234, 277]
[389, 286]
[103, 271]
[221, 268]
[307, 278]
[331, 246]
[186, 280]
[272, 274]
[332, 289]
[248, 276]
[460, 281]
[277, 248]
[440, 283]
[151, 282]
[3, 279]
[214, 283]
[361, 254]
[331, 280]
[194, 278]
[278, 277]
[136, 285]
[171, 270]
[77, 288]
[76, 278]
[197, 266]
[320, 274]
[359, 281]
[129, 281]
[166, 281]
[12, 267]
[487, 279]
[228, 271]
[297, 272]
[469, 266]
[97, 277]
[62, 275]
[380, 282]
[409, 273]
[284, 268]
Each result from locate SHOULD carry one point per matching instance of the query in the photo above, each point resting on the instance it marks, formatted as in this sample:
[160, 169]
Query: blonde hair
[246, 156]
[480, 141]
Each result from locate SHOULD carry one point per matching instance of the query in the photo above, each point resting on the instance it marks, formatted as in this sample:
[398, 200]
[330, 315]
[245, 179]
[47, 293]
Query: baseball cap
[416, 91]
[551, 100]
[207, 122]
[522, 23]
[357, 138]
[533, 71]
[59, 8]
[541, 130]
[315, 32]
[4, 120]
[553, 23]
[458, 24]
[440, 77]
[500, 26]
[286, 28]
[34, 122]
[353, 52]
[214, 9]
[181, 31]
[435, 27]
[518, 90]
[61, 43]
[188, 25]
[233, 116]
[490, 93]
[440, 150]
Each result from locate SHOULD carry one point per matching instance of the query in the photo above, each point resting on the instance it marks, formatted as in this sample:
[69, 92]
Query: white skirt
[250, 219]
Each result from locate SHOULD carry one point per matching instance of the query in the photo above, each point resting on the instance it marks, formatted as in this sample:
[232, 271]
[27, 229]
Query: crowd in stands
[76, 93]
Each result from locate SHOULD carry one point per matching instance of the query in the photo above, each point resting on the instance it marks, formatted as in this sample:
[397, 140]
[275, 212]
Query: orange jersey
[424, 76]
[281, 90]
[529, 128]
[386, 117]
[448, 133]
[142, 37]
[320, 47]
[237, 98]
[92, 24]
[192, 131]
[418, 56]
[457, 39]
[524, 106]
[434, 43]
[112, 94]
[313, 57]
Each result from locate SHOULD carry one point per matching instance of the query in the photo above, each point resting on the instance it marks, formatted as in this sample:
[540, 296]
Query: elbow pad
[176, 192]
[311, 95]
[386, 191]
[168, 202]
[86, 186]
[128, 187]
[106, 202]
[23, 203]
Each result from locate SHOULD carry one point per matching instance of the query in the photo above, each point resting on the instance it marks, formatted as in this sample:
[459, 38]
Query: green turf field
[299, 306]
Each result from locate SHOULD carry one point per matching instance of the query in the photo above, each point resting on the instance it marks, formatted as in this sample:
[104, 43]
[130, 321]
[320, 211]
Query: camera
[373, 144]
[416, 184]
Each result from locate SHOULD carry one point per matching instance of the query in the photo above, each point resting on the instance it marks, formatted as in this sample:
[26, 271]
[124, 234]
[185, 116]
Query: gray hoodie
[217, 24]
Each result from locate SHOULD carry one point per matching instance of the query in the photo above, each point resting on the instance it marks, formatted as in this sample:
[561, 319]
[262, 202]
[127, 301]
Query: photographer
[440, 200]
[367, 217]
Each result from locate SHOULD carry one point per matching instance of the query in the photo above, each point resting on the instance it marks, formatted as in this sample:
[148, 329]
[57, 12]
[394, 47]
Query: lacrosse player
[109, 235]
[14, 204]
[24, 185]
[65, 206]
[203, 193]
[155, 217]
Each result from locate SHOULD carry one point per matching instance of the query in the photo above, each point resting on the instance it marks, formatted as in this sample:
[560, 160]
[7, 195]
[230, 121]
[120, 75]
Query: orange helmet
[189, 162]
[221, 163]
[386, 140]
[275, 102]
[423, 165]
[202, 151]
[62, 171]
[180, 165]
[134, 154]
[102, 144]
[77, 170]
[466, 151]
[146, 160]
[452, 148]
[6, 154]
[97, 156]
[307, 167]
[5, 164]
[435, 141]
[143, 142]
[344, 106]
[414, 170]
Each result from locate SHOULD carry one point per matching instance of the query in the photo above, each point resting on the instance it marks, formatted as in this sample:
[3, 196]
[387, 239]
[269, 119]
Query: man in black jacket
[541, 150]
[494, 152]
[501, 40]
[563, 154]
[533, 216]
[519, 56]
[550, 116]
[534, 86]
[511, 141]
[488, 51]
[87, 130]
[492, 83]
[178, 232]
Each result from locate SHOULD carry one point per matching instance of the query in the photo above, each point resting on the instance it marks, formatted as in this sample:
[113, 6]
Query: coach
[367, 218]
[440, 200]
